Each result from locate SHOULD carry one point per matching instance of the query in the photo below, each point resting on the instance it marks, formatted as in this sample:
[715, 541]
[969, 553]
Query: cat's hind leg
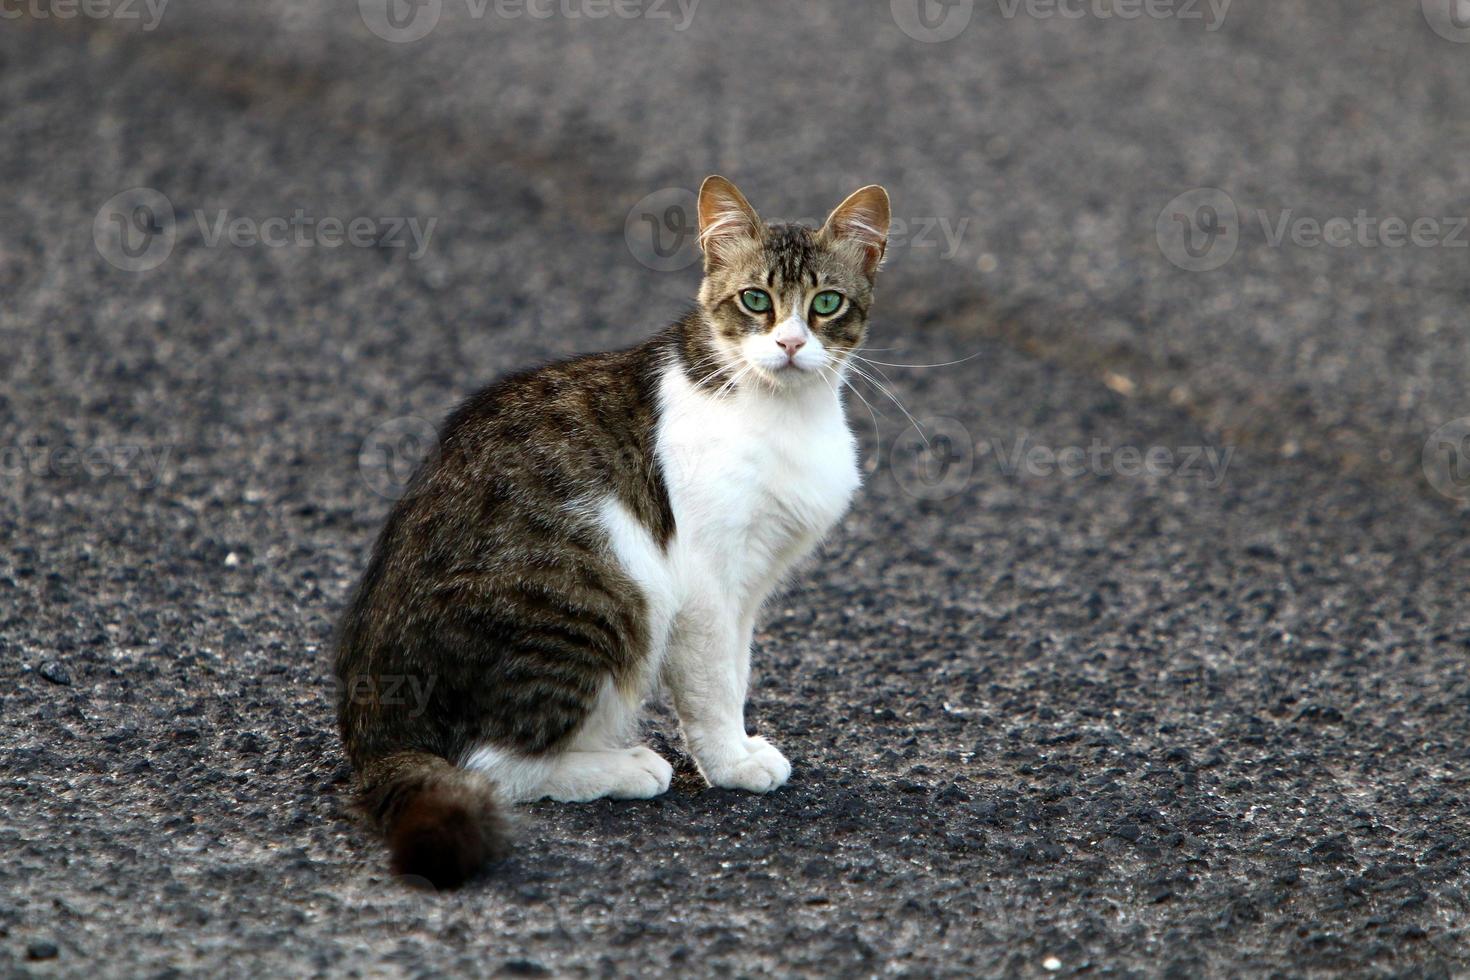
[597, 762]
[600, 760]
[575, 775]
[623, 774]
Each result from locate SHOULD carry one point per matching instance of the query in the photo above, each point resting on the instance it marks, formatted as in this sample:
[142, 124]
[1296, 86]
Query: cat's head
[786, 303]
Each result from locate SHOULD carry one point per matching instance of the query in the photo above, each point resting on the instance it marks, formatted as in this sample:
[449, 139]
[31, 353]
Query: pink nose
[791, 345]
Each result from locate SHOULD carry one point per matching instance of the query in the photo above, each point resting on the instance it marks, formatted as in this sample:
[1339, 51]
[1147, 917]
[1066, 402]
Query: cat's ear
[863, 220]
[726, 220]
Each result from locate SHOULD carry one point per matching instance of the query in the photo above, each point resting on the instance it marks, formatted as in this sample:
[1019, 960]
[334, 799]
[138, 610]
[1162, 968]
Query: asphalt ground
[1154, 664]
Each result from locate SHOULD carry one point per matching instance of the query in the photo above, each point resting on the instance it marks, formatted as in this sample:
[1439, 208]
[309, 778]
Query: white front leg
[707, 670]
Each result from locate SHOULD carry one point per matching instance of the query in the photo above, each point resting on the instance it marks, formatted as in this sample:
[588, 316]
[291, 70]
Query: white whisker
[962, 360]
[873, 415]
[893, 398]
[729, 385]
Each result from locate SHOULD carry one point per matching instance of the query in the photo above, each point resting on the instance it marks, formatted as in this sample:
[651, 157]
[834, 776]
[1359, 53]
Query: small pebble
[41, 950]
[54, 672]
[1051, 964]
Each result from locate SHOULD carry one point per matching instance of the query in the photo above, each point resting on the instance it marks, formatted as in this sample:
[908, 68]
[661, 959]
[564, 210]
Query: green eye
[756, 300]
[826, 303]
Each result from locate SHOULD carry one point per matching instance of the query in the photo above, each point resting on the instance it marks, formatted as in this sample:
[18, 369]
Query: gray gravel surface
[1179, 720]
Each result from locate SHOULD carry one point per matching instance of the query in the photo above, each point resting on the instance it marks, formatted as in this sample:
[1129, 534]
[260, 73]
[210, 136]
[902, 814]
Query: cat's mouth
[784, 371]
[780, 369]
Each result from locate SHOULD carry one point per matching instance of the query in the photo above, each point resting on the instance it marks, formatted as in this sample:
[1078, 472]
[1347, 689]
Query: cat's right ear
[863, 219]
[726, 220]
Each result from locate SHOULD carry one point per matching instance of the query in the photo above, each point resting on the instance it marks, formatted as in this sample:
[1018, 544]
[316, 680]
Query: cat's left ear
[862, 219]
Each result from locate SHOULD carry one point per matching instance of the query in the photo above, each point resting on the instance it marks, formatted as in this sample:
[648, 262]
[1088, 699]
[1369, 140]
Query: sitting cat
[596, 528]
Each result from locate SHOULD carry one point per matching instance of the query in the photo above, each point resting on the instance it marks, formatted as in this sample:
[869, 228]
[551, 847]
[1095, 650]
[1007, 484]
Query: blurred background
[1153, 658]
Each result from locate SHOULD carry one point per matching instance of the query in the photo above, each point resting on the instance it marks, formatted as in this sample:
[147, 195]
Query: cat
[590, 531]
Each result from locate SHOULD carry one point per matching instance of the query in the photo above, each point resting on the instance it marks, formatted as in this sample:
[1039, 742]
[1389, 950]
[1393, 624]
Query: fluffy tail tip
[445, 837]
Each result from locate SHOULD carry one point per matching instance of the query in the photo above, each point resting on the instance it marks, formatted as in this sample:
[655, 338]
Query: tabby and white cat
[591, 530]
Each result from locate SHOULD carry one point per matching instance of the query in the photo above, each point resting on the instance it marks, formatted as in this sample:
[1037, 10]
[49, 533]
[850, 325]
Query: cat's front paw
[757, 766]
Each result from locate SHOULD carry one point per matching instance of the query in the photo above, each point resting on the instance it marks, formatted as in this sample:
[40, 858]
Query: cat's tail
[442, 823]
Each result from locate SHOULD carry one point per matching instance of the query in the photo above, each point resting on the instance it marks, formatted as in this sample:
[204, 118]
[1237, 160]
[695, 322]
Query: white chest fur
[755, 479]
